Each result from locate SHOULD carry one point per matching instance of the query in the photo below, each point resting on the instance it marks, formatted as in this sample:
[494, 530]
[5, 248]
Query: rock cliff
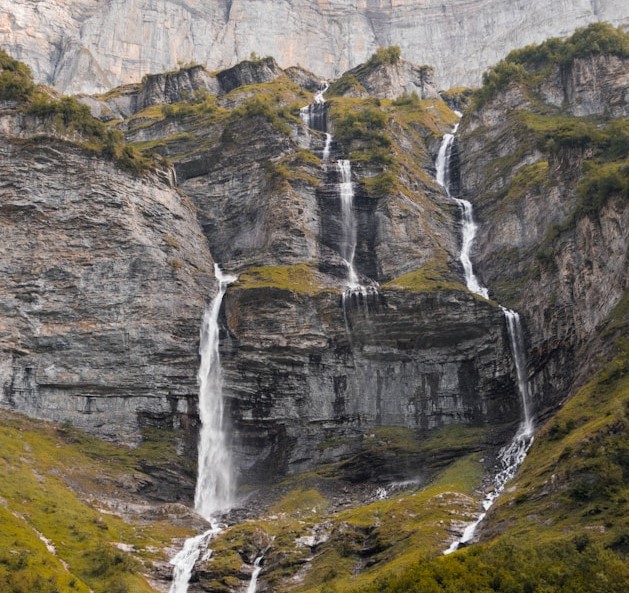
[105, 276]
[93, 46]
[109, 299]
[547, 184]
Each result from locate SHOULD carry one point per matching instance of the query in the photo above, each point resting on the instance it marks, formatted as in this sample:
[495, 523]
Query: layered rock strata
[549, 244]
[104, 279]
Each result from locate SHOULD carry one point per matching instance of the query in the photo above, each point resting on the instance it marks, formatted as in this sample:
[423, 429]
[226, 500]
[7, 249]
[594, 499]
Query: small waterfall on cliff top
[512, 455]
[214, 489]
[315, 117]
[315, 114]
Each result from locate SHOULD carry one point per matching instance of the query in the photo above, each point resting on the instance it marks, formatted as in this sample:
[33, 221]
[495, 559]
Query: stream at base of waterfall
[511, 456]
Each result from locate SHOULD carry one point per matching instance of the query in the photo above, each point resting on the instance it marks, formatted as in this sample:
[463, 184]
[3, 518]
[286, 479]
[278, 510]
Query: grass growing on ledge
[430, 277]
[300, 501]
[298, 278]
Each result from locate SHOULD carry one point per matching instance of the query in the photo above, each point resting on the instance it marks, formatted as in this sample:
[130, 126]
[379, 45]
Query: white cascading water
[257, 567]
[468, 226]
[314, 115]
[512, 455]
[214, 488]
[327, 147]
[348, 221]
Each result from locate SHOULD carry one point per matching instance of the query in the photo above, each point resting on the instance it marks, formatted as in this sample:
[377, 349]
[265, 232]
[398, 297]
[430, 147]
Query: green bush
[16, 81]
[385, 55]
[577, 566]
[366, 125]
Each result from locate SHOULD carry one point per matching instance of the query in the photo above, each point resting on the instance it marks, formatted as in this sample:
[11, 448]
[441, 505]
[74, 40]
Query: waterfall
[468, 226]
[315, 115]
[257, 567]
[516, 339]
[511, 456]
[184, 560]
[326, 148]
[348, 221]
[214, 489]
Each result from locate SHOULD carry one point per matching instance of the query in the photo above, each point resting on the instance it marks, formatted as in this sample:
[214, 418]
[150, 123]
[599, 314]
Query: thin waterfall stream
[257, 568]
[214, 491]
[511, 456]
[315, 117]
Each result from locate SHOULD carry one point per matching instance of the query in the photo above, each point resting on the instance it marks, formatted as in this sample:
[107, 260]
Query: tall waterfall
[519, 356]
[214, 489]
[512, 455]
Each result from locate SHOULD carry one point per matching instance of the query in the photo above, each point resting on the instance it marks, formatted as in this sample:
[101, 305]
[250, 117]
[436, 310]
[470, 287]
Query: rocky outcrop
[596, 85]
[94, 46]
[188, 85]
[105, 276]
[388, 80]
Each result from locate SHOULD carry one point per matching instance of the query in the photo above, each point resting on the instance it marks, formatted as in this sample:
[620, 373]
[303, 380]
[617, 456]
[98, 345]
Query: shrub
[385, 55]
[16, 82]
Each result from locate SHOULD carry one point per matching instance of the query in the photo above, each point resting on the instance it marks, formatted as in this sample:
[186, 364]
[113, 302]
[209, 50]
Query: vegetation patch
[51, 480]
[299, 278]
[432, 276]
[67, 117]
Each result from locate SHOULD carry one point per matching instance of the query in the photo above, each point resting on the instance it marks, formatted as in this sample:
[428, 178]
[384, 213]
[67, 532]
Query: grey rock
[565, 288]
[104, 278]
[93, 46]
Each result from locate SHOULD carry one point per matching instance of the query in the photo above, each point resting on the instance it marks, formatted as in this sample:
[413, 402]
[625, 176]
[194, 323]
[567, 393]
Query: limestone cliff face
[552, 243]
[304, 366]
[89, 46]
[105, 276]
[102, 314]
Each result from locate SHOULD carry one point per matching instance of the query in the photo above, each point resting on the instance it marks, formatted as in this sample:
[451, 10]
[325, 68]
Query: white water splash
[186, 558]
